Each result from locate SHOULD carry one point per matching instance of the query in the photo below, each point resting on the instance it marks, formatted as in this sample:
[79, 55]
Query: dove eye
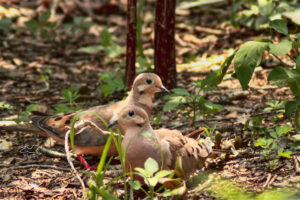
[149, 81]
[131, 113]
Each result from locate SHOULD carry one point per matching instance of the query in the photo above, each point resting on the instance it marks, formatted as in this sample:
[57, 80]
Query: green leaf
[143, 172]
[163, 173]
[152, 181]
[114, 50]
[297, 137]
[265, 7]
[247, 58]
[291, 106]
[281, 48]
[45, 16]
[286, 154]
[105, 37]
[136, 185]
[293, 15]
[151, 165]
[298, 63]
[180, 91]
[92, 49]
[33, 26]
[280, 26]
[283, 130]
[106, 89]
[273, 134]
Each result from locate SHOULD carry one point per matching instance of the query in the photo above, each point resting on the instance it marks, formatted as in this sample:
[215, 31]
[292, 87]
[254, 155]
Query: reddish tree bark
[130, 43]
[164, 59]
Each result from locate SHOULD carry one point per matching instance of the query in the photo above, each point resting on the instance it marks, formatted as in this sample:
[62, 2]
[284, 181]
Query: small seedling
[109, 84]
[24, 115]
[191, 103]
[70, 94]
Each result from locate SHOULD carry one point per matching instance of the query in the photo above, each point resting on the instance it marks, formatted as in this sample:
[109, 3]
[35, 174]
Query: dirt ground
[28, 171]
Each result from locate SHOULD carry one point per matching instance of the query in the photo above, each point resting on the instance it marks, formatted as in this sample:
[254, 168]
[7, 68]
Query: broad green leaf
[114, 50]
[143, 172]
[293, 15]
[170, 106]
[291, 106]
[286, 154]
[282, 130]
[273, 134]
[180, 91]
[92, 49]
[247, 58]
[105, 37]
[152, 181]
[280, 26]
[265, 7]
[163, 173]
[151, 165]
[297, 137]
[298, 63]
[106, 89]
[281, 48]
[281, 74]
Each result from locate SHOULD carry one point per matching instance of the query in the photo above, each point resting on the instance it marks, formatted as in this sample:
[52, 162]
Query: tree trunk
[131, 43]
[164, 59]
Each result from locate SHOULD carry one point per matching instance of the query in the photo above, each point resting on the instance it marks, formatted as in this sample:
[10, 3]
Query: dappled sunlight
[204, 63]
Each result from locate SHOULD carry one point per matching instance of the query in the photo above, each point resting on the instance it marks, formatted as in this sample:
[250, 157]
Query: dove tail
[207, 143]
[26, 128]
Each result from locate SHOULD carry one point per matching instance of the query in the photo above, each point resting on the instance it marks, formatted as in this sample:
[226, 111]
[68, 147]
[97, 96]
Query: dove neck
[142, 100]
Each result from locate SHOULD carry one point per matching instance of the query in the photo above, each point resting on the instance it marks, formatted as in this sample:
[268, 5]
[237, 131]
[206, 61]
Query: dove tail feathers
[26, 128]
[208, 144]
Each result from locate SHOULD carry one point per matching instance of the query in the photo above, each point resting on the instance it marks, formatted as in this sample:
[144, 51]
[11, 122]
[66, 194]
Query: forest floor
[203, 40]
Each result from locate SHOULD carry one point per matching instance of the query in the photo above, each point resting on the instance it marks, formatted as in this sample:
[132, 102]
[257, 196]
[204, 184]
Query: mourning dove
[141, 142]
[90, 139]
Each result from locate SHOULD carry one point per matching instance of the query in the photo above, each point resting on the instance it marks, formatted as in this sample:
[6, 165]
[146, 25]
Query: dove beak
[113, 123]
[163, 89]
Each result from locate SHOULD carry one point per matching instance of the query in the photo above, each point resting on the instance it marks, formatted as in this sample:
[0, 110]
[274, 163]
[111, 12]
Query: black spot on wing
[58, 118]
[68, 121]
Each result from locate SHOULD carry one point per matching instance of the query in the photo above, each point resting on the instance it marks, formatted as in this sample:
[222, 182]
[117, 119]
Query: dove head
[148, 84]
[132, 117]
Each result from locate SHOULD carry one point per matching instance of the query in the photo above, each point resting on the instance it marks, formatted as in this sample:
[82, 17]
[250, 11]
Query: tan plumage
[190, 153]
[89, 139]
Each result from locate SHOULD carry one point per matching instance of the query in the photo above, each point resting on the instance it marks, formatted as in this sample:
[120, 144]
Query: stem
[297, 118]
[281, 61]
[139, 29]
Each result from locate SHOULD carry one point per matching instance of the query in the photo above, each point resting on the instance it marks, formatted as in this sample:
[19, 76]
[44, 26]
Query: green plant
[276, 106]
[24, 115]
[79, 25]
[70, 94]
[257, 14]
[272, 142]
[250, 55]
[109, 84]
[191, 103]
[111, 49]
[152, 175]
[5, 106]
[42, 26]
